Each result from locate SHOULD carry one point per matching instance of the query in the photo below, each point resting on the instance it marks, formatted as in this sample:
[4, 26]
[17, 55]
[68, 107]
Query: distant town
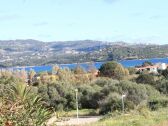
[32, 52]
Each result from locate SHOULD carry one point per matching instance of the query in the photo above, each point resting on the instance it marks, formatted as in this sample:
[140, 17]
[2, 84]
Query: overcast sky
[108, 20]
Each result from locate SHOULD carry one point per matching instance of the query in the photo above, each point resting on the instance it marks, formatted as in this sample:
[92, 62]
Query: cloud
[8, 17]
[71, 24]
[110, 1]
[155, 17]
[147, 16]
[137, 14]
[40, 24]
[147, 39]
[24, 1]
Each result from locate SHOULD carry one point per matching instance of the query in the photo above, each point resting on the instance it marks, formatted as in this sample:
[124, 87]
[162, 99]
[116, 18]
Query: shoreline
[85, 63]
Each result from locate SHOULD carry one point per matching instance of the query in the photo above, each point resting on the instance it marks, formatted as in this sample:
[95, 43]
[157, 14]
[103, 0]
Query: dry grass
[147, 118]
[164, 123]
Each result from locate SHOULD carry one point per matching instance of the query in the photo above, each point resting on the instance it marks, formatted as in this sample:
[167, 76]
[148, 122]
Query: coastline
[125, 63]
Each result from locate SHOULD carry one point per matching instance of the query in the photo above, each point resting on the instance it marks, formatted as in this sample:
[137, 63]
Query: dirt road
[73, 121]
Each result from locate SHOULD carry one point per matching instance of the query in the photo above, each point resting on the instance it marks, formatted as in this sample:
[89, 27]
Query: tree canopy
[113, 70]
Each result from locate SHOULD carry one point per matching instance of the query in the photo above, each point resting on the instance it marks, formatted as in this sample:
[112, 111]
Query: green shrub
[132, 70]
[111, 103]
[88, 97]
[59, 96]
[162, 86]
[157, 103]
[113, 70]
[105, 81]
[146, 79]
[136, 93]
[20, 107]
[165, 73]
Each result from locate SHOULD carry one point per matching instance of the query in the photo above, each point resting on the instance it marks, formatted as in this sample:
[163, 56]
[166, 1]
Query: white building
[162, 66]
[153, 68]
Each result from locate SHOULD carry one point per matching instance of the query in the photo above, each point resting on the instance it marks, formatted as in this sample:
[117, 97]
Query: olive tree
[113, 70]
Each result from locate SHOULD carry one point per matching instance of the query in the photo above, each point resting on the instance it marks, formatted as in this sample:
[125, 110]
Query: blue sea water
[125, 63]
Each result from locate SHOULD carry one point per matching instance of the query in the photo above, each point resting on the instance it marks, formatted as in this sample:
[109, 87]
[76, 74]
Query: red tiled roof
[155, 66]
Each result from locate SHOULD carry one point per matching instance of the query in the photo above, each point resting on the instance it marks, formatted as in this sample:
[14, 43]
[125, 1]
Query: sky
[134, 21]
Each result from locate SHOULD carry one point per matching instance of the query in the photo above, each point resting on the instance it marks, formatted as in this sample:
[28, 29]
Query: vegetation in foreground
[19, 106]
[141, 117]
[32, 103]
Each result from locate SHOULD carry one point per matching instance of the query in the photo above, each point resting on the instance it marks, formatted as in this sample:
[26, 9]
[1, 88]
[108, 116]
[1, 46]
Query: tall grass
[135, 118]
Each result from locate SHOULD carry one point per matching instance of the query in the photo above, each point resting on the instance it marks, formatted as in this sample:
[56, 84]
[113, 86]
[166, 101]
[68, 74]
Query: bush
[157, 103]
[147, 63]
[162, 86]
[132, 70]
[165, 73]
[59, 96]
[106, 94]
[79, 70]
[111, 103]
[146, 79]
[135, 93]
[105, 82]
[113, 70]
[88, 97]
[20, 107]
[152, 92]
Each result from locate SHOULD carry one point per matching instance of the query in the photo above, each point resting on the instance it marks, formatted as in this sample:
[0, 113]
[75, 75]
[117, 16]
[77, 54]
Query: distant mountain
[34, 52]
[31, 45]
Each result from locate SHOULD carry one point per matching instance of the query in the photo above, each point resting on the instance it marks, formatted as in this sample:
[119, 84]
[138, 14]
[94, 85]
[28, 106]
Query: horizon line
[117, 41]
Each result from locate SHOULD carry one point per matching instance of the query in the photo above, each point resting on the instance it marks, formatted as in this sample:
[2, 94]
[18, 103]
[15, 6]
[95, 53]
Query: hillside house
[153, 68]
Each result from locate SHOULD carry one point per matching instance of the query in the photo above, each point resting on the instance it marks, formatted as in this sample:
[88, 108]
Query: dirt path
[165, 123]
[73, 121]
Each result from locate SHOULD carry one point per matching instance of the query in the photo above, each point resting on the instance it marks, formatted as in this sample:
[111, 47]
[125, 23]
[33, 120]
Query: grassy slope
[165, 123]
[83, 112]
[157, 118]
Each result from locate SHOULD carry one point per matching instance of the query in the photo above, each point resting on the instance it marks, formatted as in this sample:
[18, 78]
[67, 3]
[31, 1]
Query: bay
[125, 63]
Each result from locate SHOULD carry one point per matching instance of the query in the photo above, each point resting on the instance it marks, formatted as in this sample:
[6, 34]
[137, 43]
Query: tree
[79, 70]
[44, 77]
[111, 103]
[162, 86]
[91, 68]
[165, 73]
[66, 75]
[23, 74]
[113, 70]
[132, 70]
[87, 97]
[92, 71]
[55, 69]
[126, 72]
[147, 63]
[32, 73]
[146, 79]
[61, 96]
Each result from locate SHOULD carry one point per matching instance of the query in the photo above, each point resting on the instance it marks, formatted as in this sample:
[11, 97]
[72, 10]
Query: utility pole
[122, 97]
[77, 111]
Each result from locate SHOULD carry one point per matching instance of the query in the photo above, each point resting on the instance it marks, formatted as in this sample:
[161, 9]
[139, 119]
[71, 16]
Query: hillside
[33, 52]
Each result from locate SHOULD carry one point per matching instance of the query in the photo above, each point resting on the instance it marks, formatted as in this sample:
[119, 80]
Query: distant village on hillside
[34, 53]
